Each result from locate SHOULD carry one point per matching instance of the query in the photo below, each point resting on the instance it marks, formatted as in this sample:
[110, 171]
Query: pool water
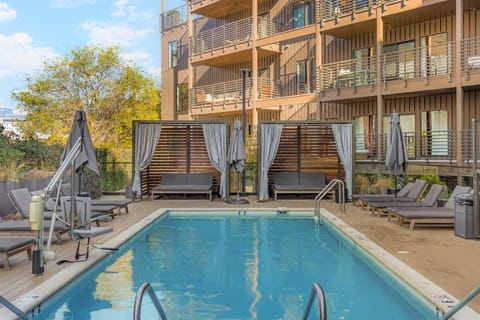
[237, 267]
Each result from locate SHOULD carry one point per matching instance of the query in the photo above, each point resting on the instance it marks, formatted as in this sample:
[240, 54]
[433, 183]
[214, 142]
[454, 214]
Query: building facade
[354, 60]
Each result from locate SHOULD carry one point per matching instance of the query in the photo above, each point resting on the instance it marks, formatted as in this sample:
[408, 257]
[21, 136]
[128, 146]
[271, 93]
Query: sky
[32, 31]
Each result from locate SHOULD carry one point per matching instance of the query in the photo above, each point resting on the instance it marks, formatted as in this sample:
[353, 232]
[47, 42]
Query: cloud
[20, 55]
[123, 8]
[120, 34]
[70, 3]
[7, 13]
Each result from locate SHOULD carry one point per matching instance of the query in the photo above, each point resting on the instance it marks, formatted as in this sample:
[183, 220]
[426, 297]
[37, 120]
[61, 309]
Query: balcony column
[254, 66]
[379, 85]
[458, 74]
[318, 61]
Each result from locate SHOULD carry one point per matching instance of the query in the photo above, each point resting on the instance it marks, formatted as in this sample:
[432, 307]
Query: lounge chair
[437, 216]
[97, 205]
[183, 183]
[12, 246]
[357, 198]
[412, 195]
[430, 200]
[80, 227]
[21, 199]
[22, 227]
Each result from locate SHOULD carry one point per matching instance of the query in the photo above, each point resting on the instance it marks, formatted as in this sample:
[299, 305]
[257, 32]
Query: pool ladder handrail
[137, 308]
[462, 303]
[322, 305]
[327, 189]
[10, 306]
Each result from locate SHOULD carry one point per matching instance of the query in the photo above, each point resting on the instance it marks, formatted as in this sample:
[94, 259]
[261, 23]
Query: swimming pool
[229, 266]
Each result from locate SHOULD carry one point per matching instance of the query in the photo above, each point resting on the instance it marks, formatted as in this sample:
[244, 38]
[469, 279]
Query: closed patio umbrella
[87, 157]
[236, 156]
[396, 157]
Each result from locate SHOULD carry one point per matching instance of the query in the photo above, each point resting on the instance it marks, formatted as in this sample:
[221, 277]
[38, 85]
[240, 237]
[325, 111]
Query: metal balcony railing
[428, 145]
[347, 73]
[333, 10]
[470, 56]
[422, 62]
[268, 88]
[227, 35]
[173, 18]
[222, 93]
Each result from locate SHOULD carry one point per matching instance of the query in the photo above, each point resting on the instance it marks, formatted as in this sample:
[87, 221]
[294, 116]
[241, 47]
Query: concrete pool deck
[448, 261]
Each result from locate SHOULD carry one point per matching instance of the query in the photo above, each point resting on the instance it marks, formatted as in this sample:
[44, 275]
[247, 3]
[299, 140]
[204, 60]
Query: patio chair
[21, 199]
[425, 215]
[357, 198]
[79, 223]
[14, 245]
[430, 200]
[412, 195]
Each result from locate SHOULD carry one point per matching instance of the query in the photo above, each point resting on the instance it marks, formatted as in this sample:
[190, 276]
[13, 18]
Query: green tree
[96, 80]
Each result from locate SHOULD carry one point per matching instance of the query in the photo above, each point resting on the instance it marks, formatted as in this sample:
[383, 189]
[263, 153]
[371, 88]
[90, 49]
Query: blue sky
[35, 30]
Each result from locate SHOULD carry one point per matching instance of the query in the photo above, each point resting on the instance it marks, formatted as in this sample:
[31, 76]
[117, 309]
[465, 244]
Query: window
[434, 55]
[305, 76]
[399, 60]
[301, 14]
[172, 54]
[182, 97]
[407, 123]
[364, 135]
[363, 69]
[434, 133]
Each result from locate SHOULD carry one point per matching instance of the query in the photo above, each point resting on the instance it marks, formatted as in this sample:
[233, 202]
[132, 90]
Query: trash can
[464, 215]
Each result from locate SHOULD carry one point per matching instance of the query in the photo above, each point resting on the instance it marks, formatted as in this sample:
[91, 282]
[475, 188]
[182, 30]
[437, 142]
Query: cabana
[179, 147]
[304, 147]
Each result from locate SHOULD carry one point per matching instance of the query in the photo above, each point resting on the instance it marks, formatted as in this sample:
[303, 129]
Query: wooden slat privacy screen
[307, 147]
[180, 149]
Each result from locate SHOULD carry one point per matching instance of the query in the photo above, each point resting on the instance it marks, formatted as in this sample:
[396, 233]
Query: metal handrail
[322, 305]
[462, 303]
[19, 313]
[137, 308]
[327, 189]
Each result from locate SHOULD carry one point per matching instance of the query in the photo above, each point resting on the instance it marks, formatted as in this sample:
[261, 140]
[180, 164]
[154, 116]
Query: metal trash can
[464, 215]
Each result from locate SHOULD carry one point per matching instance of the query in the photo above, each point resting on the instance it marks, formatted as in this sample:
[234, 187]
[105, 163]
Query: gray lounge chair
[21, 199]
[22, 227]
[437, 216]
[430, 200]
[357, 198]
[14, 245]
[412, 195]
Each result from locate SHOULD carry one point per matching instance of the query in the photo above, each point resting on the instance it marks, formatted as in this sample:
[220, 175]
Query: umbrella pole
[238, 200]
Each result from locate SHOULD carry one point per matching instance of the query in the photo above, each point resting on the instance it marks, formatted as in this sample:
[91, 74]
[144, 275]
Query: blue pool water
[236, 267]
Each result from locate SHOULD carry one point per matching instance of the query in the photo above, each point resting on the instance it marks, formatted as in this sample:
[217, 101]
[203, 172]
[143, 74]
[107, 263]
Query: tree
[93, 79]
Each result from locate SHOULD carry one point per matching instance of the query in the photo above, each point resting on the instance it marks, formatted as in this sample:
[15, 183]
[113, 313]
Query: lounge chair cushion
[400, 194]
[185, 183]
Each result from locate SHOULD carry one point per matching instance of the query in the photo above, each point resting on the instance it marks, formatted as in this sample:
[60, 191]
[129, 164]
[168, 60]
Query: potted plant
[383, 183]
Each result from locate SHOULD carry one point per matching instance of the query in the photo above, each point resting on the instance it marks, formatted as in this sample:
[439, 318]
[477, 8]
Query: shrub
[114, 180]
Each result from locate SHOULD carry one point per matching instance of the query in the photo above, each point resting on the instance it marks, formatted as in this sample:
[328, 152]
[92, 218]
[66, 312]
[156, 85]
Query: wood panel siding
[307, 148]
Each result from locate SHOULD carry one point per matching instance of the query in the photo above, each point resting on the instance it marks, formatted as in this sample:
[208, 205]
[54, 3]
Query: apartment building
[355, 60]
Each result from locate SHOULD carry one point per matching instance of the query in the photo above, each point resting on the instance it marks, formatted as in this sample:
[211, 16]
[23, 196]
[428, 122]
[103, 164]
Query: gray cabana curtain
[343, 140]
[269, 139]
[215, 136]
[146, 139]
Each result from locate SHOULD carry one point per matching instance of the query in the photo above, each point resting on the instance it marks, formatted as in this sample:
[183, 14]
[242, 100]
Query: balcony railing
[173, 18]
[423, 62]
[229, 92]
[227, 35]
[348, 73]
[429, 145]
[470, 56]
[333, 10]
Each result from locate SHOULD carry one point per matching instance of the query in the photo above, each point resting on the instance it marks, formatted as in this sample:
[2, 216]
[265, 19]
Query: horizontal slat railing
[348, 73]
[228, 92]
[229, 34]
[470, 56]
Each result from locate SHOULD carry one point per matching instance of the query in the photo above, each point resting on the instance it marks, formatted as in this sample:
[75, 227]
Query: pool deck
[450, 262]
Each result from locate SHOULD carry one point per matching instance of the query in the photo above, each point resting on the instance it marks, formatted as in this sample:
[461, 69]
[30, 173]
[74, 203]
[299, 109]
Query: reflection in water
[252, 272]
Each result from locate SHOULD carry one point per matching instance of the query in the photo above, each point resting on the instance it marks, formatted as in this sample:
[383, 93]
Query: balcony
[218, 8]
[335, 10]
[174, 18]
[219, 97]
[429, 146]
[417, 69]
[471, 60]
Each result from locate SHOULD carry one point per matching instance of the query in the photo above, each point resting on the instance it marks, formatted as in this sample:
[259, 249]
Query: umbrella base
[237, 201]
